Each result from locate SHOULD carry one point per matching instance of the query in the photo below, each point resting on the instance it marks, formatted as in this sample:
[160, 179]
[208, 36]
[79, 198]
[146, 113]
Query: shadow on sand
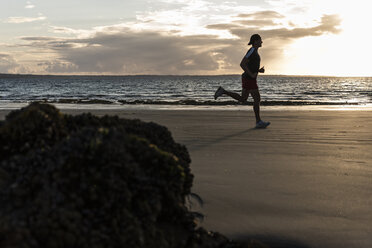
[270, 241]
[191, 146]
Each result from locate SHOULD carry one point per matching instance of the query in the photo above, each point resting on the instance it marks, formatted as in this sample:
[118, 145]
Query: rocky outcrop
[88, 181]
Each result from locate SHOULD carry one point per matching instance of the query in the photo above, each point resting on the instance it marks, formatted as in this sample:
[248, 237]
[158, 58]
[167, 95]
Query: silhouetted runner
[251, 66]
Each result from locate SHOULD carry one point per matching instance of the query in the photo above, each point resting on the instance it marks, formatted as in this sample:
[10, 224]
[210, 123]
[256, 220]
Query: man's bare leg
[256, 103]
[241, 98]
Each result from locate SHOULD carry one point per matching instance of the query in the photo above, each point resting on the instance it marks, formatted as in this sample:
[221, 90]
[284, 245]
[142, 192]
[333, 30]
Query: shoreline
[12, 75]
[148, 107]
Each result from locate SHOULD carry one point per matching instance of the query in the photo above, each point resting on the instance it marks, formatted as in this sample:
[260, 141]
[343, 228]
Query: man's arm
[245, 68]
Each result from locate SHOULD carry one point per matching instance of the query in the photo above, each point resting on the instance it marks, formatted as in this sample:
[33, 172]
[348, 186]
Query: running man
[251, 66]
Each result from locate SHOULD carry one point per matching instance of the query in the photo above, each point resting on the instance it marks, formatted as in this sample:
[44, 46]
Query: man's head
[255, 40]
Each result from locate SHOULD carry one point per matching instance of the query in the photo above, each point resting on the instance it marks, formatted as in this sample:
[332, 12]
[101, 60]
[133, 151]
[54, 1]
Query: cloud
[259, 19]
[257, 23]
[70, 31]
[7, 63]
[191, 17]
[224, 26]
[20, 19]
[38, 38]
[276, 39]
[58, 67]
[267, 14]
[328, 24]
[134, 53]
[120, 49]
[29, 5]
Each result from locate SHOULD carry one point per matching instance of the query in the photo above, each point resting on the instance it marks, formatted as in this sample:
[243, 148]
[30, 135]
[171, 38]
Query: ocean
[181, 90]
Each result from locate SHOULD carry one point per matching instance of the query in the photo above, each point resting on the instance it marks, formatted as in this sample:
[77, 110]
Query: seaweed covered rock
[38, 125]
[86, 181]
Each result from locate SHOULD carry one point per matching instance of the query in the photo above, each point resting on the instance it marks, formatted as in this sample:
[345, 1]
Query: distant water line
[183, 90]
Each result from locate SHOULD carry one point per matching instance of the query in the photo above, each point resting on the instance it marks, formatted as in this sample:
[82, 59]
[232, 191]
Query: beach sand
[305, 181]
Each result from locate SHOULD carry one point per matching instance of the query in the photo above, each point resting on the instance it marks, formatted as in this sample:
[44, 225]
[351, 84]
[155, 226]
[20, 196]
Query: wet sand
[305, 181]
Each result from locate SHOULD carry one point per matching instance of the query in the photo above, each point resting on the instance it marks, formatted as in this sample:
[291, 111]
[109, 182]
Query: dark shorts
[249, 84]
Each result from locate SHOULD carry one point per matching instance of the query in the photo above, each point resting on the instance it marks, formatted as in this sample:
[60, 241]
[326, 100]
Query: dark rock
[85, 181]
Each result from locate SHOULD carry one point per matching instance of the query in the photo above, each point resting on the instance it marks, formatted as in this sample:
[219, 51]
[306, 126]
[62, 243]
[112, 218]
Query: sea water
[182, 90]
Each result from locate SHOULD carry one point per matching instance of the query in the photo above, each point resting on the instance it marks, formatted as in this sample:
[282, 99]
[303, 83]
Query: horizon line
[165, 75]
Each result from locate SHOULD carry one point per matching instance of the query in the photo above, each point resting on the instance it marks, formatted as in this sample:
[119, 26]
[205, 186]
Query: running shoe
[218, 92]
[262, 124]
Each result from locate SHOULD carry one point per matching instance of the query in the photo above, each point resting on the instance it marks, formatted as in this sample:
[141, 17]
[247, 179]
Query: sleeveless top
[253, 63]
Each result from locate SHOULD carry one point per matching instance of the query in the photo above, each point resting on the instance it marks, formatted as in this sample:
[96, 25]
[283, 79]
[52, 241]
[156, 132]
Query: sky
[184, 37]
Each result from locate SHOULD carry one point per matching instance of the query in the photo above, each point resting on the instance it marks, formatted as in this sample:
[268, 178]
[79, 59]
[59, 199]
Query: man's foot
[262, 124]
[219, 92]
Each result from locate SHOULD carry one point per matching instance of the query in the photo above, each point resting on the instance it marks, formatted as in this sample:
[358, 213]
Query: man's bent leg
[241, 98]
[256, 103]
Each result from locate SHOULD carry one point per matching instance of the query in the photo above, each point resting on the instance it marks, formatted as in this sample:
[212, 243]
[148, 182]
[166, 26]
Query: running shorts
[249, 84]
